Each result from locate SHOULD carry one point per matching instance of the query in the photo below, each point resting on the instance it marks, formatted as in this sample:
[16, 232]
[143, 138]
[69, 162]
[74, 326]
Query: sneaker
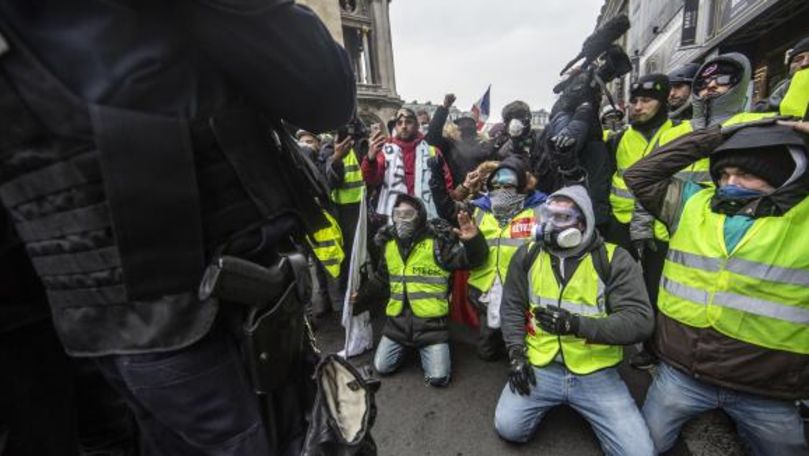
[643, 360]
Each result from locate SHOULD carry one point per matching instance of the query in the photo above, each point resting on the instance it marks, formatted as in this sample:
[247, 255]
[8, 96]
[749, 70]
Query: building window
[358, 44]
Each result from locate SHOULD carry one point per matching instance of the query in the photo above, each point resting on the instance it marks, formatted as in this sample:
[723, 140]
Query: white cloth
[393, 183]
[492, 298]
[359, 332]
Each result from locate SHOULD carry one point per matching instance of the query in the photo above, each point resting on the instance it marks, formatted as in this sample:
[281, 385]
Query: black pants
[192, 401]
[53, 405]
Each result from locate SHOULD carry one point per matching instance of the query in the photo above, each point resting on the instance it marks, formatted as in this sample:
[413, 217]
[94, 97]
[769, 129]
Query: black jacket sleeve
[515, 300]
[454, 254]
[435, 133]
[280, 55]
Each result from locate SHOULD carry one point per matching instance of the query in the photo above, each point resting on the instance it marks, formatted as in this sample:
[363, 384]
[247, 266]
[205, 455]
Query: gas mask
[405, 218]
[516, 128]
[559, 227]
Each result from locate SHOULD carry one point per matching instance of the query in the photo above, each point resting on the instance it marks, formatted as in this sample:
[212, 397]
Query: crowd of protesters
[672, 228]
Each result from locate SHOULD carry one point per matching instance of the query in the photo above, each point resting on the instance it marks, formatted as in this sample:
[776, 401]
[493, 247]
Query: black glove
[521, 375]
[563, 149]
[557, 320]
[642, 245]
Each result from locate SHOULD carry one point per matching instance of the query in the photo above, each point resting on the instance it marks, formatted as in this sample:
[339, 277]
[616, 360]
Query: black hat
[762, 151]
[653, 85]
[516, 110]
[800, 46]
[684, 74]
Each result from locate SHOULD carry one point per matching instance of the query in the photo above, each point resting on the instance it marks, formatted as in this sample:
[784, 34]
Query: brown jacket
[706, 354]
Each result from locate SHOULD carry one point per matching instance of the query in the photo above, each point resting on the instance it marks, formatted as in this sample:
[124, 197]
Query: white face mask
[515, 128]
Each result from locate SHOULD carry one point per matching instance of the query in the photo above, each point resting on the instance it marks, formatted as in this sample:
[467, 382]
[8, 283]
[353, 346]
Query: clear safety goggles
[647, 85]
[405, 213]
[560, 217]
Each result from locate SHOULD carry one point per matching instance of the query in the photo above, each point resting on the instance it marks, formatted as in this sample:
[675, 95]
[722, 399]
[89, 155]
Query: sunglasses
[719, 79]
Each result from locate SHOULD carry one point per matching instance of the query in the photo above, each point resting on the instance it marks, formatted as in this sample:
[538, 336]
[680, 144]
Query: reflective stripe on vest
[327, 245]
[758, 293]
[584, 295]
[632, 147]
[699, 171]
[797, 97]
[503, 244]
[350, 191]
[419, 278]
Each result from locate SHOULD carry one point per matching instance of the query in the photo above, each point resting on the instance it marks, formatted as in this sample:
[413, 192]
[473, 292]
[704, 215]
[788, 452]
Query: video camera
[355, 129]
[603, 60]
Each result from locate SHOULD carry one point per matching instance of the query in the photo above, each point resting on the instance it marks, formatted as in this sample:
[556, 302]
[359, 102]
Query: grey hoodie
[630, 318]
[713, 111]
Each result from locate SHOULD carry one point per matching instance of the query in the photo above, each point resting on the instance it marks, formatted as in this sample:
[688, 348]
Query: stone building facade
[363, 28]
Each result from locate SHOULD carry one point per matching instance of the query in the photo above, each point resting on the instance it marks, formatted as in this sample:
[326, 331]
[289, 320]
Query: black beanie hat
[655, 85]
[773, 163]
[800, 46]
[516, 110]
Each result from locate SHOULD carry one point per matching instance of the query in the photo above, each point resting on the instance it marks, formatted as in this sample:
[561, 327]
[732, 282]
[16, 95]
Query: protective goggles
[646, 85]
[560, 217]
[718, 79]
[405, 213]
[504, 177]
[406, 115]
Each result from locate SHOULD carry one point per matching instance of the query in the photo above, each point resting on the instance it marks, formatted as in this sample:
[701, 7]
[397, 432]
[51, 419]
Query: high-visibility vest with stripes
[419, 278]
[699, 171]
[796, 99]
[583, 295]
[632, 147]
[327, 244]
[503, 244]
[757, 293]
[350, 191]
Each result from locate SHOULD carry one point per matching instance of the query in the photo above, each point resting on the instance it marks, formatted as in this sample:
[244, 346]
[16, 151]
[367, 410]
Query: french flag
[480, 110]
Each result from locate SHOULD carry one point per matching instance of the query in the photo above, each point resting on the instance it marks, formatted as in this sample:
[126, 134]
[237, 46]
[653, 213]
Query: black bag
[344, 411]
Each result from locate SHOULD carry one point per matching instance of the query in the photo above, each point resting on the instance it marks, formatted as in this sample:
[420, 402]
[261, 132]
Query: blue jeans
[601, 398]
[193, 401]
[435, 361]
[768, 426]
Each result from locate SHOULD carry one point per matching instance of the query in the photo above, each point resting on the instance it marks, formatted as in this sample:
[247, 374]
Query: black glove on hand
[521, 375]
[642, 245]
[563, 149]
[557, 321]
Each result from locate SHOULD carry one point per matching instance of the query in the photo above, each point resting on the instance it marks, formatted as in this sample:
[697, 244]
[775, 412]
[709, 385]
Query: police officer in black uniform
[140, 141]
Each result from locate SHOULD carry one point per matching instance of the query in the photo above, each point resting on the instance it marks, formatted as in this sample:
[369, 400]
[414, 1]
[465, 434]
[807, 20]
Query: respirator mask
[559, 227]
[516, 128]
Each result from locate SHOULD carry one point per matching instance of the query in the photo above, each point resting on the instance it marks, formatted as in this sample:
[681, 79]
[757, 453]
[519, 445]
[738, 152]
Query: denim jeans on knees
[435, 360]
[601, 398]
[768, 426]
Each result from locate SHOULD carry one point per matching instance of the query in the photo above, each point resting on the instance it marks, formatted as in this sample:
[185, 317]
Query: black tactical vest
[119, 209]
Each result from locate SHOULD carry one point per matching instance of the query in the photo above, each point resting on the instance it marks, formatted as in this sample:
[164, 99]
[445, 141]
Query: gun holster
[273, 331]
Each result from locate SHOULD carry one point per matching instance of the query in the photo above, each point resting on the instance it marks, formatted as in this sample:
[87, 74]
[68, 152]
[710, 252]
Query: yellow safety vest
[699, 171]
[583, 295]
[632, 147]
[757, 293]
[503, 244]
[419, 278]
[797, 97]
[350, 191]
[327, 245]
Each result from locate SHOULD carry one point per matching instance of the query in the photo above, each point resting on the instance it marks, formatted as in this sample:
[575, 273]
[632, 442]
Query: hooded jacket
[630, 318]
[712, 111]
[449, 253]
[705, 353]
